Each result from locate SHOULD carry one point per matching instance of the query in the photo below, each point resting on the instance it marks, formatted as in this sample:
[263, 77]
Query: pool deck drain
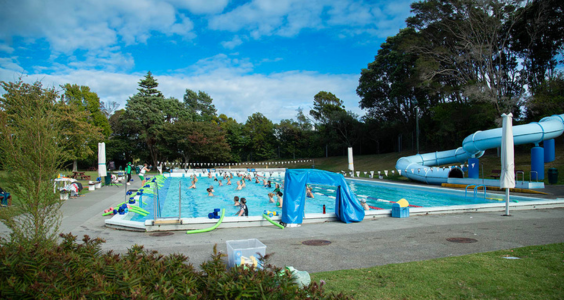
[461, 240]
[316, 243]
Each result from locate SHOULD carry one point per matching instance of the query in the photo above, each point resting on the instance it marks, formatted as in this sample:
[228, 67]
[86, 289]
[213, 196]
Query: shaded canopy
[347, 207]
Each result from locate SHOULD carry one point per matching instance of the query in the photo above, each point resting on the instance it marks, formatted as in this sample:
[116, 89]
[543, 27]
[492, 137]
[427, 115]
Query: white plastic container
[91, 186]
[247, 248]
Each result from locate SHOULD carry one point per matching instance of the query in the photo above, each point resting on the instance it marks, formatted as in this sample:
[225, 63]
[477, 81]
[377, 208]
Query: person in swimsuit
[244, 211]
[309, 194]
[228, 181]
[239, 187]
[236, 201]
[271, 197]
[210, 192]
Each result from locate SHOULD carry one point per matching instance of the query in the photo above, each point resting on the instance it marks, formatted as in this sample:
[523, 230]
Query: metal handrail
[476, 190]
[517, 175]
[466, 190]
[531, 175]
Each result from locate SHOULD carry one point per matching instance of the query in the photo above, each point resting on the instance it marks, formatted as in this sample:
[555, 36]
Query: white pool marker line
[331, 197]
[330, 190]
[319, 194]
[362, 196]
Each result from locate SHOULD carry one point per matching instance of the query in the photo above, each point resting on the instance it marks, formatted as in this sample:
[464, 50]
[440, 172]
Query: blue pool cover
[347, 207]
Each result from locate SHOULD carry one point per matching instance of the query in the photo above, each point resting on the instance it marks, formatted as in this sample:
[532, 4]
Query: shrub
[72, 270]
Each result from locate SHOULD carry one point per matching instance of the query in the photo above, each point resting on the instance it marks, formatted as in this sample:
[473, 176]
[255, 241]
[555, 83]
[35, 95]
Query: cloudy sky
[268, 56]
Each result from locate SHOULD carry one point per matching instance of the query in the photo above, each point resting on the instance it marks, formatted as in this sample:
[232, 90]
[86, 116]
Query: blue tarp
[347, 207]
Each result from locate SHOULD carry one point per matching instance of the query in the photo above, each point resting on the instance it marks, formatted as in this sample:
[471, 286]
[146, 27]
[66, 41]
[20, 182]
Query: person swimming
[271, 197]
[220, 183]
[236, 201]
[243, 183]
[239, 187]
[228, 181]
[210, 192]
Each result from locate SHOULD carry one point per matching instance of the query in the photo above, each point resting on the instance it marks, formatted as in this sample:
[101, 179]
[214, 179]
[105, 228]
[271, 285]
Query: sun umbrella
[507, 178]
[101, 159]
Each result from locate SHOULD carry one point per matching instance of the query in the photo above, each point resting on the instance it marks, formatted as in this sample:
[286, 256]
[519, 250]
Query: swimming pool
[379, 196]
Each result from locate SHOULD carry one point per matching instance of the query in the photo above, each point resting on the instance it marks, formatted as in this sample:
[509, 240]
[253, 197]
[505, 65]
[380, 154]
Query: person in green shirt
[128, 172]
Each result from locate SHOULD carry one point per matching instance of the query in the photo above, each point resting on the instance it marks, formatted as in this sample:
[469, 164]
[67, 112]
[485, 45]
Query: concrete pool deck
[369, 243]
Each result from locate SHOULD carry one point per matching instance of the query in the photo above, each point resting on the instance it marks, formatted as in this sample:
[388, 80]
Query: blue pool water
[379, 195]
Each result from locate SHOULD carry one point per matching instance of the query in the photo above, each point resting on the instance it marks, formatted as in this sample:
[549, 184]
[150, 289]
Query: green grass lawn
[538, 274]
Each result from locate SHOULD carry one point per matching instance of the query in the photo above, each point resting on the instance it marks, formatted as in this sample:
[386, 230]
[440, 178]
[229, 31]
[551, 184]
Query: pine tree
[148, 87]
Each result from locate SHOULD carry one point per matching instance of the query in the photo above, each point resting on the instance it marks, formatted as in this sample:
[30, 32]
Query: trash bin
[108, 179]
[552, 175]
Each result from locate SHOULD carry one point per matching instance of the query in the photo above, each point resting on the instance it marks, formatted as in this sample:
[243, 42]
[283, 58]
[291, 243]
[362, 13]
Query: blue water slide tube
[420, 166]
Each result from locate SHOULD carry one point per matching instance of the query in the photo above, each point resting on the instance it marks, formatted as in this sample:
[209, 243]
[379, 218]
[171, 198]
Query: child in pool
[244, 211]
[243, 183]
[279, 195]
[210, 192]
[239, 187]
[220, 183]
[236, 201]
[193, 186]
[228, 181]
[271, 197]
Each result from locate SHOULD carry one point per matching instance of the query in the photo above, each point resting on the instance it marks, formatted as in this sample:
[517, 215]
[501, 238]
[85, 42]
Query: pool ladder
[475, 190]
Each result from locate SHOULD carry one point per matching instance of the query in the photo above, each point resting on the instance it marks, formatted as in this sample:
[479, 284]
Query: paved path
[359, 245]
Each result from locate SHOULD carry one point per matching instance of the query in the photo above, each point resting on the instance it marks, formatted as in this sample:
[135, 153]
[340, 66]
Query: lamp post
[414, 102]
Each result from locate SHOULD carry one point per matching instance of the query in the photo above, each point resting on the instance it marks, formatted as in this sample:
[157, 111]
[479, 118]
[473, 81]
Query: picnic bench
[79, 175]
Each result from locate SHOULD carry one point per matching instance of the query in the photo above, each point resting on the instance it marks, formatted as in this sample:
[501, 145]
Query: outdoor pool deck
[375, 241]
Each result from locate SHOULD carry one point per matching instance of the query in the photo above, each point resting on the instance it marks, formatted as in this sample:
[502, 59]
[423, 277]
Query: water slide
[419, 166]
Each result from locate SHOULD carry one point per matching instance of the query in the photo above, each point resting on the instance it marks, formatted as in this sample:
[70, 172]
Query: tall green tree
[259, 131]
[148, 87]
[537, 39]
[197, 141]
[234, 135]
[32, 149]
[87, 131]
[389, 87]
[201, 104]
[548, 99]
[468, 40]
[146, 114]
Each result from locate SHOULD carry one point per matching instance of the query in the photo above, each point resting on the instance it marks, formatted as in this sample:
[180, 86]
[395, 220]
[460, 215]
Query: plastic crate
[399, 212]
[246, 248]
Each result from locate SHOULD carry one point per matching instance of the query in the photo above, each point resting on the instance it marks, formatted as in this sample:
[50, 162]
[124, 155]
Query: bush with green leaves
[73, 270]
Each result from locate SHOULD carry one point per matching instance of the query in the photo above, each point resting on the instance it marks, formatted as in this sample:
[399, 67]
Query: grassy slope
[537, 275]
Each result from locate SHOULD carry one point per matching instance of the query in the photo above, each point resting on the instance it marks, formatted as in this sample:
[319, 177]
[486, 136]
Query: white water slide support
[419, 167]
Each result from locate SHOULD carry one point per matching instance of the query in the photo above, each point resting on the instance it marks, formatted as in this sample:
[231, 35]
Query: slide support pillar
[537, 162]
[473, 168]
[549, 148]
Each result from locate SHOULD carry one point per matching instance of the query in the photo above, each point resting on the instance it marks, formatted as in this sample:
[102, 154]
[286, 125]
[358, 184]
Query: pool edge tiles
[122, 222]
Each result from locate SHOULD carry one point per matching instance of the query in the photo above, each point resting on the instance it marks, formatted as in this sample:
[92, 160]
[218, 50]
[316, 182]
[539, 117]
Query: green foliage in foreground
[538, 274]
[76, 271]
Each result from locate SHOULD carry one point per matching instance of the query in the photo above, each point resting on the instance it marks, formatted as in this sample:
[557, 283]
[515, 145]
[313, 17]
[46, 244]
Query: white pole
[351, 163]
[507, 201]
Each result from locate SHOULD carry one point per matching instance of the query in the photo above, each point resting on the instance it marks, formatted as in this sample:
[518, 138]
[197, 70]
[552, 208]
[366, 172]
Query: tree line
[455, 68]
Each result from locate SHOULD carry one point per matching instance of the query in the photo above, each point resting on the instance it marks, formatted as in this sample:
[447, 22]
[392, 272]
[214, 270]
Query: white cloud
[10, 63]
[236, 41]
[6, 48]
[289, 17]
[236, 93]
[94, 26]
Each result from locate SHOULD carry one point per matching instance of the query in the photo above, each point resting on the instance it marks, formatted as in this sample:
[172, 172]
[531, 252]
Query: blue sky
[250, 56]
